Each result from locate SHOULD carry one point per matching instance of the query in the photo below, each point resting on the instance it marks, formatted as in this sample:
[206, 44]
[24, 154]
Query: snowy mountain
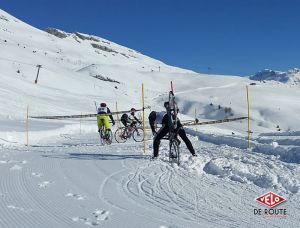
[65, 178]
[290, 77]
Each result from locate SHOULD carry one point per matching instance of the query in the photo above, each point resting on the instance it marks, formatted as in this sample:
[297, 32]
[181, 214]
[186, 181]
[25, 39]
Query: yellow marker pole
[80, 124]
[248, 107]
[196, 118]
[27, 125]
[118, 121]
[144, 126]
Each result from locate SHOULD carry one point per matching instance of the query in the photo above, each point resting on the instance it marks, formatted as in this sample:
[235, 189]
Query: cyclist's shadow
[91, 156]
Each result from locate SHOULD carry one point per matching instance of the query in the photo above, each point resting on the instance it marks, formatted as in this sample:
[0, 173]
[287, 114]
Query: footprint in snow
[101, 215]
[12, 207]
[45, 184]
[75, 196]
[85, 221]
[167, 226]
[36, 174]
[16, 167]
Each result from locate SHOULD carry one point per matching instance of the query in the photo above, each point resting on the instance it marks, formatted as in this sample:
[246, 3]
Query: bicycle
[172, 111]
[105, 136]
[174, 152]
[124, 133]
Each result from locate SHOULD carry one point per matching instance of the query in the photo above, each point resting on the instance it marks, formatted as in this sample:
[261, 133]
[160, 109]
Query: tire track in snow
[133, 196]
[102, 189]
[176, 186]
[115, 178]
[157, 192]
[201, 189]
[165, 189]
[187, 210]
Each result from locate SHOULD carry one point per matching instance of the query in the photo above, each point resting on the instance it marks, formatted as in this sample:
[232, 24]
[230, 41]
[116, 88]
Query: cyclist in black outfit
[162, 118]
[130, 120]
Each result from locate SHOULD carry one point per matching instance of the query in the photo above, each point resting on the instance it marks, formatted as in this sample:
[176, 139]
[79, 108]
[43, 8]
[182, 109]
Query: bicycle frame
[123, 133]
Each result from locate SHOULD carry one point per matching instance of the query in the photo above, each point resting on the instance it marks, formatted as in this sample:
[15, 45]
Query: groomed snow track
[74, 182]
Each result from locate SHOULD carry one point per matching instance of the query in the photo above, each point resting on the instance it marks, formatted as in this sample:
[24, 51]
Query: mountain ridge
[291, 76]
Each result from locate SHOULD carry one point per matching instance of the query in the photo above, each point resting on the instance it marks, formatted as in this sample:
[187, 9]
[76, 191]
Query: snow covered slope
[64, 178]
[79, 69]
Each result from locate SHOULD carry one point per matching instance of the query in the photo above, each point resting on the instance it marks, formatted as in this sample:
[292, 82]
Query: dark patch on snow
[107, 79]
[56, 32]
[83, 37]
[3, 18]
[103, 48]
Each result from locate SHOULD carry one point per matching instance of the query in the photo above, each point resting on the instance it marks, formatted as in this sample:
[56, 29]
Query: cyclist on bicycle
[130, 120]
[162, 118]
[102, 117]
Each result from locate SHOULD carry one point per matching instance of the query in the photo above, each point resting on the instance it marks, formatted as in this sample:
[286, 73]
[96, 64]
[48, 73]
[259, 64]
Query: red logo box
[270, 199]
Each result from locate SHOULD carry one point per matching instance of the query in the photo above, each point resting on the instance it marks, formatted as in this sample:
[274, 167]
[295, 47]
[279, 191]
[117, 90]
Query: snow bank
[286, 154]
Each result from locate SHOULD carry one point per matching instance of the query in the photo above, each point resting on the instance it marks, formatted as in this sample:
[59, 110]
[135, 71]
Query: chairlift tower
[37, 76]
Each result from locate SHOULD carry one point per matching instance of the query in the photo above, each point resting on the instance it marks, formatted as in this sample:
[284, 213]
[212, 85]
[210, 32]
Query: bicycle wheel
[174, 154]
[101, 135]
[121, 135]
[138, 134]
[108, 137]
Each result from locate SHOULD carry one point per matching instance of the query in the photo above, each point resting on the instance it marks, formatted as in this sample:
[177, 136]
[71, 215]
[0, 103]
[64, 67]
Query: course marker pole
[80, 125]
[144, 126]
[196, 118]
[248, 108]
[27, 125]
[118, 121]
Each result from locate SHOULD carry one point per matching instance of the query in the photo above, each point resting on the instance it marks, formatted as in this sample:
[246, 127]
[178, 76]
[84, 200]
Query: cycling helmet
[132, 111]
[103, 105]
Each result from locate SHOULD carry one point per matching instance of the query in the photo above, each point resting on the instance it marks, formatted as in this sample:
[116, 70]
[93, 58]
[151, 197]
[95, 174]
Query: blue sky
[237, 37]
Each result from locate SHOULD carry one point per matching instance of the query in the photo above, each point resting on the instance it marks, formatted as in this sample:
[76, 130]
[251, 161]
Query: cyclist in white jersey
[162, 118]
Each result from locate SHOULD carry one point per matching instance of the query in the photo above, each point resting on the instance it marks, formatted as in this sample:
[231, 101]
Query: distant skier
[102, 119]
[162, 118]
[130, 120]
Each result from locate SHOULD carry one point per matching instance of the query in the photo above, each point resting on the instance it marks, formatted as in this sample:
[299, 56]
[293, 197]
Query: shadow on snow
[91, 156]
